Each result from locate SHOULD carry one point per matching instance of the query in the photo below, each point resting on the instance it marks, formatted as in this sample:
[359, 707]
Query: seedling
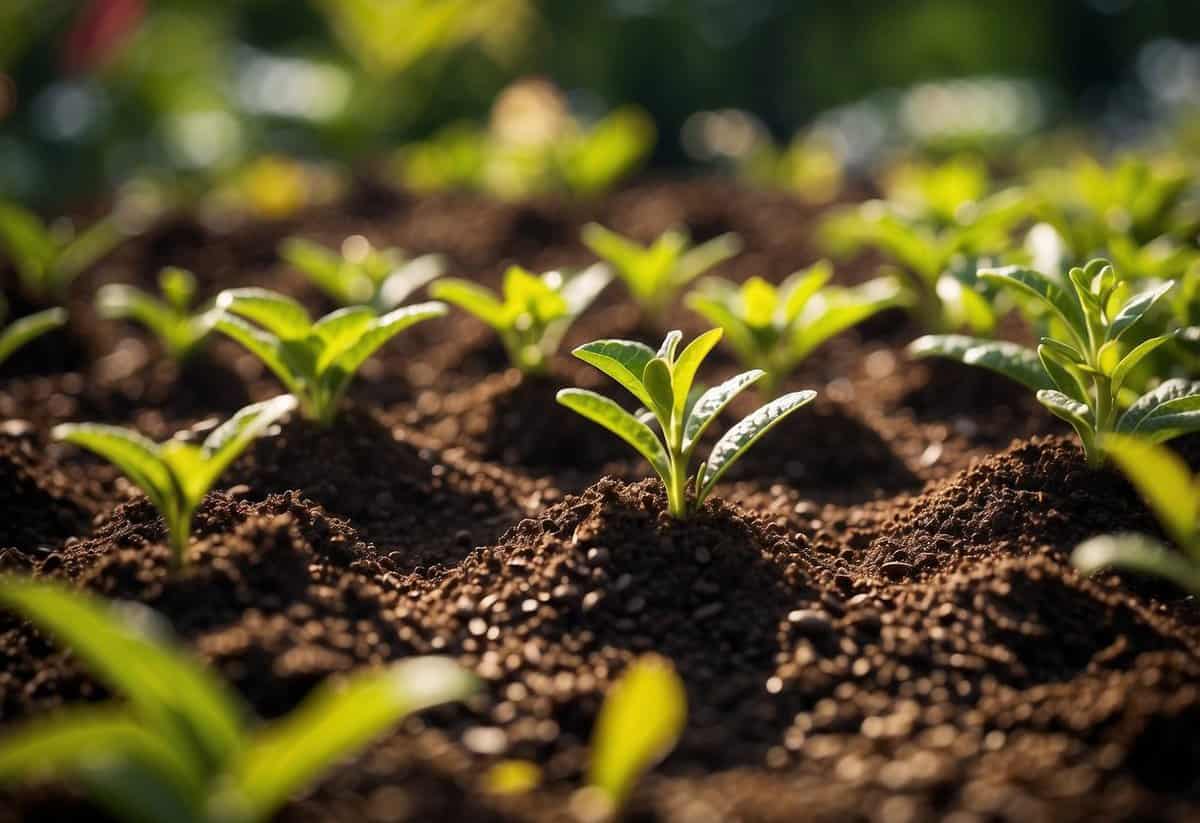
[360, 274]
[49, 257]
[655, 274]
[24, 330]
[532, 314]
[591, 160]
[1079, 372]
[662, 383]
[315, 361]
[774, 328]
[169, 318]
[176, 475]
[180, 745]
[1173, 493]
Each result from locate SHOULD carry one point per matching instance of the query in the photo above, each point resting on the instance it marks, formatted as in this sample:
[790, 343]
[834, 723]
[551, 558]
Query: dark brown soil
[874, 618]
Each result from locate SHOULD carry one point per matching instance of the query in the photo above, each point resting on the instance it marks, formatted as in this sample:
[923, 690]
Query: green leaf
[582, 289]
[335, 722]
[1135, 310]
[625, 255]
[1043, 288]
[265, 346]
[833, 312]
[80, 253]
[325, 269]
[657, 381]
[700, 259]
[640, 721]
[1137, 417]
[712, 302]
[713, 402]
[136, 456]
[474, 299]
[27, 243]
[622, 360]
[1135, 356]
[1063, 370]
[227, 441]
[406, 279]
[734, 443]
[384, 329]
[178, 287]
[599, 409]
[758, 302]
[281, 316]
[22, 331]
[670, 345]
[528, 293]
[683, 375]
[169, 690]
[798, 289]
[965, 306]
[1077, 414]
[1137, 553]
[338, 331]
[1009, 359]
[1164, 482]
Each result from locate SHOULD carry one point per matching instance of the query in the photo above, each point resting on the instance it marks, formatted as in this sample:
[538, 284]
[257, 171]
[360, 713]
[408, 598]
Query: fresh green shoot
[655, 274]
[640, 722]
[591, 160]
[774, 328]
[315, 361]
[48, 258]
[532, 313]
[1080, 371]
[662, 383]
[24, 330]
[1173, 493]
[176, 475]
[359, 274]
[169, 317]
[179, 744]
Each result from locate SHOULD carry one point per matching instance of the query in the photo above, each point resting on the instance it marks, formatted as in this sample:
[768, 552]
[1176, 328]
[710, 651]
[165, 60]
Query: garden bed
[875, 617]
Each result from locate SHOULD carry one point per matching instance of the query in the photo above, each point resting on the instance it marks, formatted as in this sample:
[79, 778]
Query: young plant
[315, 361]
[169, 318]
[662, 383]
[1173, 493]
[179, 745]
[1079, 372]
[655, 274]
[532, 313]
[774, 328]
[48, 258]
[24, 330]
[359, 274]
[176, 475]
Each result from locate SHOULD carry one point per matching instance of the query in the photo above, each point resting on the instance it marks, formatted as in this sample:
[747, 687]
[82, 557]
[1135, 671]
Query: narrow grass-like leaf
[1137, 553]
[744, 434]
[473, 298]
[1164, 482]
[22, 331]
[1135, 355]
[599, 409]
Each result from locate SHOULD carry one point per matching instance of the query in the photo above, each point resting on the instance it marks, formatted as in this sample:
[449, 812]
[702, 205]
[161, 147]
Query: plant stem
[677, 503]
[179, 531]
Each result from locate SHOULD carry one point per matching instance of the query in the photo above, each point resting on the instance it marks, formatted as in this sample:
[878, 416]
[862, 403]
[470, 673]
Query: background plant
[24, 330]
[774, 328]
[655, 274]
[176, 475]
[48, 257]
[662, 382]
[1173, 493]
[179, 745]
[532, 313]
[360, 274]
[315, 361]
[1079, 374]
[170, 318]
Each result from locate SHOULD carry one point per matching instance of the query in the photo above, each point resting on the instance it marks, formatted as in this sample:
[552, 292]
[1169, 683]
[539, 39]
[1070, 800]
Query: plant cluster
[48, 258]
[359, 274]
[171, 318]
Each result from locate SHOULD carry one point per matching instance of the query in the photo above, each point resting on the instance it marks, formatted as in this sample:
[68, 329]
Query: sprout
[180, 745]
[361, 274]
[655, 274]
[1079, 371]
[662, 383]
[169, 317]
[24, 330]
[315, 361]
[176, 475]
[49, 257]
[1173, 493]
[776, 328]
[533, 313]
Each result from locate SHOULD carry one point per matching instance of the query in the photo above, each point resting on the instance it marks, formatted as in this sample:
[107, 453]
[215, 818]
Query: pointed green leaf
[1043, 288]
[712, 403]
[734, 443]
[1137, 553]
[712, 302]
[1136, 309]
[684, 373]
[599, 409]
[1135, 356]
[472, 298]
[22, 331]
[640, 721]
[1009, 359]
[622, 360]
[227, 441]
[265, 346]
[801, 286]
[700, 259]
[1135, 417]
[83, 251]
[406, 279]
[657, 381]
[670, 345]
[1077, 414]
[281, 316]
[337, 721]
[525, 292]
[1064, 371]
[382, 330]
[326, 270]
[759, 300]
[582, 289]
[27, 243]
[136, 456]
[338, 331]
[624, 255]
[1164, 482]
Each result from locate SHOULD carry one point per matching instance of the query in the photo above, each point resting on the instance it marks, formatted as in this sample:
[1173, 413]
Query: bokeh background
[95, 92]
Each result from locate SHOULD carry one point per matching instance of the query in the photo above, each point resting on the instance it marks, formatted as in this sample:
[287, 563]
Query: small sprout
[591, 160]
[24, 330]
[49, 257]
[170, 317]
[774, 328]
[533, 313]
[655, 274]
[1173, 493]
[640, 722]
[315, 361]
[180, 745]
[662, 383]
[1080, 370]
[176, 475]
[361, 275]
